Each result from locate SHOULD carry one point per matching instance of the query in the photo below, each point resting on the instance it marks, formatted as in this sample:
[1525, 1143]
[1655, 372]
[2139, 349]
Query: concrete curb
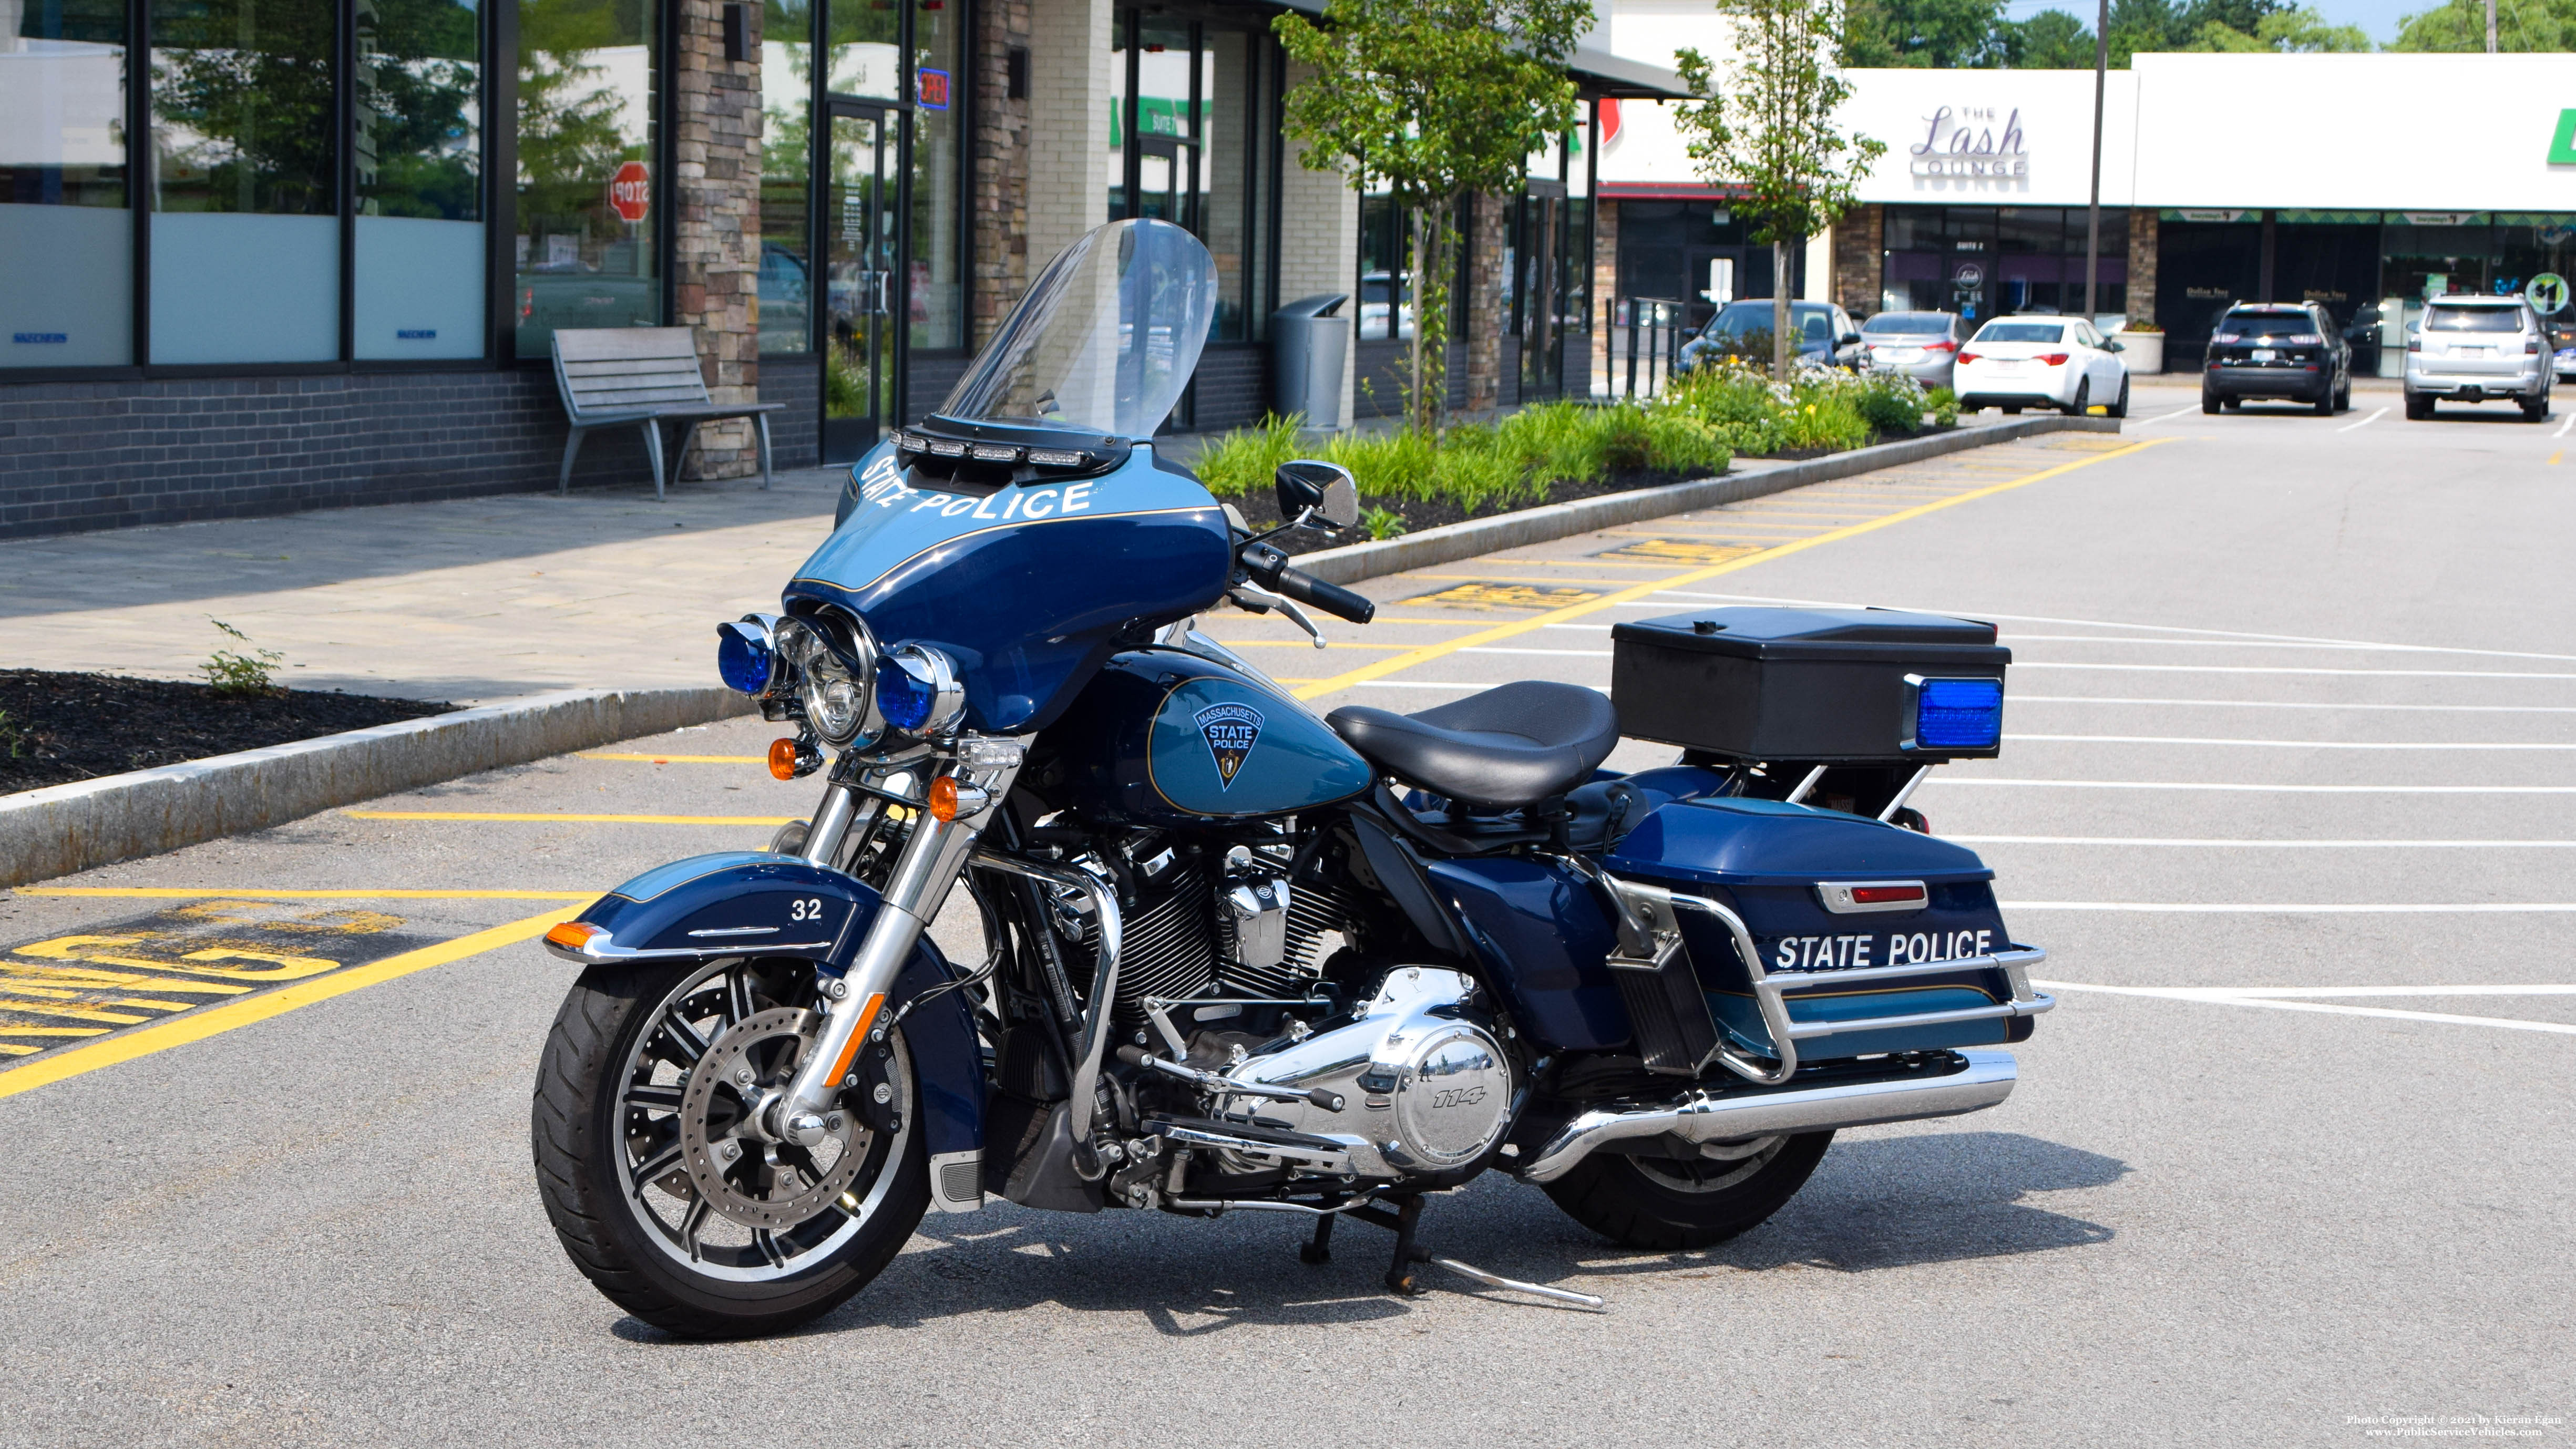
[1452, 542]
[66, 828]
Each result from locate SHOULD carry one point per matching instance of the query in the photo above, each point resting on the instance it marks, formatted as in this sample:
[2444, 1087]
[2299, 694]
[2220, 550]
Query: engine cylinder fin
[1169, 948]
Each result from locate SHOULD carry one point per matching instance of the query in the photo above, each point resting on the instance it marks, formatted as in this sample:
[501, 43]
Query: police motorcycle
[1239, 958]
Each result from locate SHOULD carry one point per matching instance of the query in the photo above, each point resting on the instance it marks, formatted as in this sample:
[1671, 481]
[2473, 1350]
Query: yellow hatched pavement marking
[1674, 550]
[511, 815]
[1397, 664]
[214, 1020]
[1475, 595]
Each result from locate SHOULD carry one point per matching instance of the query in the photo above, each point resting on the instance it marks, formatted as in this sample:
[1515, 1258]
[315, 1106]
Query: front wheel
[1666, 1203]
[662, 1185]
[2083, 399]
[2120, 408]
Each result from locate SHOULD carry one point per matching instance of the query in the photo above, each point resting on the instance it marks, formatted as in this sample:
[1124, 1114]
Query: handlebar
[1269, 568]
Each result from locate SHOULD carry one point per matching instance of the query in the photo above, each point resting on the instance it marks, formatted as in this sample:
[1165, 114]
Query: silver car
[1925, 344]
[2473, 349]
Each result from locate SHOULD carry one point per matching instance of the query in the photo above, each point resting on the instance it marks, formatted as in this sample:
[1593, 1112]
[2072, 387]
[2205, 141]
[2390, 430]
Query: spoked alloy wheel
[663, 1187]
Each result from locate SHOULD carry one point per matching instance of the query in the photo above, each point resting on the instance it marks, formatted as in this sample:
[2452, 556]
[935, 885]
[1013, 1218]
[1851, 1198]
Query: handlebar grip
[1333, 599]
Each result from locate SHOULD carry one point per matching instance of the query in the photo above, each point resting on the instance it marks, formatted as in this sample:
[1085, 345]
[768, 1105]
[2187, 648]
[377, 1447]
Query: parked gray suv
[2473, 349]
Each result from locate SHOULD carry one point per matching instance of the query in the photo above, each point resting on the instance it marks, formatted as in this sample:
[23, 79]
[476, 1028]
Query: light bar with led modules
[995, 453]
[947, 449]
[1054, 458]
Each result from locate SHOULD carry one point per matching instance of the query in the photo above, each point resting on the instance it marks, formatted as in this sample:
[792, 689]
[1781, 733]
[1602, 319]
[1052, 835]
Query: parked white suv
[2472, 349]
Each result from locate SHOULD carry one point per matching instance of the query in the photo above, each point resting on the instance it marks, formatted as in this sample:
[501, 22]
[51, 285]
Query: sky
[2377, 18]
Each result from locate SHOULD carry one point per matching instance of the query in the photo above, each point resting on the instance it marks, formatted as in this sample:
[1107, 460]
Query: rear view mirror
[2116, 345]
[1326, 488]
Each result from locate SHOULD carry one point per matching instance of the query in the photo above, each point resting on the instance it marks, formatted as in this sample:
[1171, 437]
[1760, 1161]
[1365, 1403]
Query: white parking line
[2283, 744]
[1505, 649]
[2018, 638]
[2298, 704]
[2160, 417]
[2287, 669]
[1953, 782]
[2184, 844]
[2188, 993]
[2563, 427]
[2151, 628]
[2358, 908]
[1445, 684]
[2365, 422]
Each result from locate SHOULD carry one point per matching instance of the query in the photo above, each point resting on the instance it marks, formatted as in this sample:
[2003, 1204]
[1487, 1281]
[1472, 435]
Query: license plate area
[2264, 354]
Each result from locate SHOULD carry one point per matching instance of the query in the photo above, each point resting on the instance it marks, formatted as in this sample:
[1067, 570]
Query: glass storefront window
[786, 169]
[938, 292]
[418, 142]
[1230, 85]
[588, 71]
[66, 292]
[245, 231]
[867, 49]
[1983, 261]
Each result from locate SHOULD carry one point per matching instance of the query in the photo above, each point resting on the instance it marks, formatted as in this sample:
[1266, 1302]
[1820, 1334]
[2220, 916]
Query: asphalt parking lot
[2291, 746]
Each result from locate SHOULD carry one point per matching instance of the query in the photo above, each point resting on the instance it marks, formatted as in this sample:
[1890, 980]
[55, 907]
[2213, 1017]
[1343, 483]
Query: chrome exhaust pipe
[1734, 1116]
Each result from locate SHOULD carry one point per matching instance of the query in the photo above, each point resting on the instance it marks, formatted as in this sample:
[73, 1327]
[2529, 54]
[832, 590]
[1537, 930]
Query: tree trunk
[1779, 308]
[1412, 287]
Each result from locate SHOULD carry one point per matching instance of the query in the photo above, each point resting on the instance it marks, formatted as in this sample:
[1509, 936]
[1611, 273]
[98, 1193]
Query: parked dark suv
[2287, 350]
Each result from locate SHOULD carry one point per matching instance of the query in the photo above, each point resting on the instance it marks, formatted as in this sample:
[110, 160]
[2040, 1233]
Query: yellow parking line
[1575, 563]
[686, 759]
[1397, 664]
[567, 819]
[2554, 457]
[192, 893]
[213, 1020]
[1508, 579]
[1301, 644]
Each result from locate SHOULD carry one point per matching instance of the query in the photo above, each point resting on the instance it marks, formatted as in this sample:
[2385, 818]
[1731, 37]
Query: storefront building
[315, 251]
[2224, 178]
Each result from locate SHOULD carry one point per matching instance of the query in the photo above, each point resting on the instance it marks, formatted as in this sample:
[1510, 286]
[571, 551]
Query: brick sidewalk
[476, 599]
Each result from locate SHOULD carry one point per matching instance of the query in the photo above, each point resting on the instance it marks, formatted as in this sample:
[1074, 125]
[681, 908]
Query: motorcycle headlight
[832, 676]
[918, 692]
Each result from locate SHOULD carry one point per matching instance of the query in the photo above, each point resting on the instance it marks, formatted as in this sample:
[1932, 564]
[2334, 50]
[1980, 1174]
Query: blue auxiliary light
[1959, 714]
[744, 658]
[904, 698]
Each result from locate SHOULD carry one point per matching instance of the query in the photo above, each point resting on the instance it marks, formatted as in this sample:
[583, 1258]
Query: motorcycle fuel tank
[1165, 737]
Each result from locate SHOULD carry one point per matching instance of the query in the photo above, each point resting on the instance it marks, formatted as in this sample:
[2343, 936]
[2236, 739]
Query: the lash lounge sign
[1971, 147]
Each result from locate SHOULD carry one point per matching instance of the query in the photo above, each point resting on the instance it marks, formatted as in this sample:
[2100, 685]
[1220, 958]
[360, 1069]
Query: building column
[1816, 278]
[1605, 297]
[1485, 321]
[1070, 90]
[715, 252]
[1003, 141]
[1319, 241]
[2142, 264]
[1858, 243]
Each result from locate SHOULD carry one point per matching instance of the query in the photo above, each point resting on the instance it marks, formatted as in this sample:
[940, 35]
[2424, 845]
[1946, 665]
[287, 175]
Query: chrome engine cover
[1425, 1087]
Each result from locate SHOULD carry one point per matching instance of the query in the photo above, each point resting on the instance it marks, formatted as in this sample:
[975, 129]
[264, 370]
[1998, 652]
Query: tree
[2051, 40]
[2461, 25]
[1770, 138]
[1437, 99]
[2300, 31]
[1936, 34]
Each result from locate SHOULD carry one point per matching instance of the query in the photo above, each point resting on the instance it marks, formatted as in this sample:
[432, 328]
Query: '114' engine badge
[1231, 730]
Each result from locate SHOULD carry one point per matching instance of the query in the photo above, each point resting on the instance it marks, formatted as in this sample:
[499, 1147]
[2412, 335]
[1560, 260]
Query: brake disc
[743, 1176]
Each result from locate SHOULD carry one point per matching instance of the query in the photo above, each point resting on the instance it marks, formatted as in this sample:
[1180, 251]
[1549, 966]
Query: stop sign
[630, 191]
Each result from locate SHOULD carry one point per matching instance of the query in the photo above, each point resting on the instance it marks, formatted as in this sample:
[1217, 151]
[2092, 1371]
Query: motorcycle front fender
[752, 903]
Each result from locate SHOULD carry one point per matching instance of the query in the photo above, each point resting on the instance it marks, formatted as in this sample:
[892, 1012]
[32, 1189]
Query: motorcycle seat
[1510, 746]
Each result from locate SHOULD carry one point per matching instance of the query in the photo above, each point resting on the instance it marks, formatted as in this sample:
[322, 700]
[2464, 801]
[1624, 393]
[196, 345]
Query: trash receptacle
[1307, 347]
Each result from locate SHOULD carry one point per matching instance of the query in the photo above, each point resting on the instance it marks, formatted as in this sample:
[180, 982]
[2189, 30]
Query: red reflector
[1943, 346]
[2053, 359]
[1886, 895]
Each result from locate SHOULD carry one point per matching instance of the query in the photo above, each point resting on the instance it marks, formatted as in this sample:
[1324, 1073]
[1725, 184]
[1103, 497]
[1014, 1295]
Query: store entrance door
[864, 293]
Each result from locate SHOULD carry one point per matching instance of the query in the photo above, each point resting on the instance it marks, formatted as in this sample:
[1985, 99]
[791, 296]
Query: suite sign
[1971, 144]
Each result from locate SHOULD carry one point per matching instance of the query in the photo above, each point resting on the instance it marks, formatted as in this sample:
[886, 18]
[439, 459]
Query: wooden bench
[641, 376]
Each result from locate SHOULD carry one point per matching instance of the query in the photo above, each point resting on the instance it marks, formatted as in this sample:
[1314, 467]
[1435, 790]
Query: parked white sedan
[2041, 362]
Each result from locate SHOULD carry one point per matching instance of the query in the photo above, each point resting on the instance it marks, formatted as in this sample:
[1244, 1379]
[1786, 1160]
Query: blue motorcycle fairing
[776, 905]
[1025, 587]
[1165, 737]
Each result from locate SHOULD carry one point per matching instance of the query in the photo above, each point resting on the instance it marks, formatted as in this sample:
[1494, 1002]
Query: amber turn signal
[573, 935]
[943, 798]
[782, 759]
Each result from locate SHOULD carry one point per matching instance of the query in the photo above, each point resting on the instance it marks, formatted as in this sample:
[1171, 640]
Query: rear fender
[751, 903]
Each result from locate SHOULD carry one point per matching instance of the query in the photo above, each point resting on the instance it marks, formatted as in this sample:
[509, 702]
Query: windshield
[2268, 324]
[1105, 339]
[2023, 332]
[1909, 324]
[2473, 319]
[1808, 320]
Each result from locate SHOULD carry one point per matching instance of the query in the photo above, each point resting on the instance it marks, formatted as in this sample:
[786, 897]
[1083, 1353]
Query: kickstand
[1403, 1275]
[1320, 1248]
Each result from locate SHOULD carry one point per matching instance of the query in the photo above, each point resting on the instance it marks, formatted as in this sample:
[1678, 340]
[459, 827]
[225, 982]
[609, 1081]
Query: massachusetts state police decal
[1231, 730]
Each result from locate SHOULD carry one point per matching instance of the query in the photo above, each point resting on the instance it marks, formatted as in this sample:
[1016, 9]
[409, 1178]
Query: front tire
[2083, 399]
[1664, 1204]
[2120, 408]
[614, 1152]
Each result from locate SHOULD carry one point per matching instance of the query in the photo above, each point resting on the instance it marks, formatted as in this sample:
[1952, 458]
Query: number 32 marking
[808, 909]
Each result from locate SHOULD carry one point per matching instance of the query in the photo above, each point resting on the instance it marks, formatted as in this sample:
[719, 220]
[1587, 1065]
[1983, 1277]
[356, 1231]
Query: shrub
[1891, 402]
[1827, 419]
[231, 673]
[1678, 441]
[1943, 404]
[1380, 523]
[1556, 442]
[1246, 460]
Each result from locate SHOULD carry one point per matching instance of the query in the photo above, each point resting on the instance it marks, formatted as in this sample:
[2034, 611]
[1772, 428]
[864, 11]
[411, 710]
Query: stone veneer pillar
[715, 253]
[1319, 241]
[2142, 264]
[1068, 149]
[1485, 321]
[1858, 244]
[1002, 147]
[1605, 298]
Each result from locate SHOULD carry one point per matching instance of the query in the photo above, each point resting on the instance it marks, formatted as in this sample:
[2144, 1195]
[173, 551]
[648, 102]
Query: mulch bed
[57, 728]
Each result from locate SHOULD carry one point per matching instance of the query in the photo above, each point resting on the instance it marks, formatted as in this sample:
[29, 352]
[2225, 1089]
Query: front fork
[981, 770]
